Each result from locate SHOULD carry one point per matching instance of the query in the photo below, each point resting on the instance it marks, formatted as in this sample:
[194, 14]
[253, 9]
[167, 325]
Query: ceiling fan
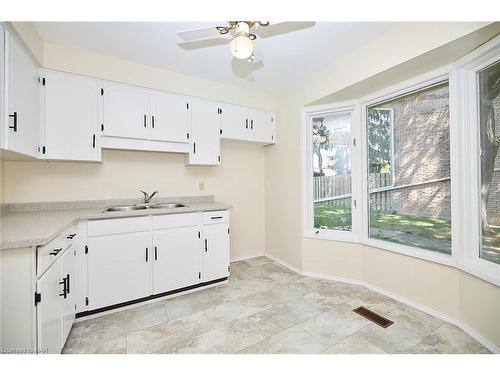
[241, 33]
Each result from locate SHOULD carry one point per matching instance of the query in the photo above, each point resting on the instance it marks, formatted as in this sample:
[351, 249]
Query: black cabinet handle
[67, 283]
[153, 121]
[93, 140]
[147, 254]
[144, 120]
[14, 127]
[246, 123]
[194, 147]
[64, 293]
[216, 217]
[56, 251]
[206, 245]
[156, 253]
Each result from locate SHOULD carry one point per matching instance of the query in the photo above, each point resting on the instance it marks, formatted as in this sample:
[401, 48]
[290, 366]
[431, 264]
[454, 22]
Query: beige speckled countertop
[36, 224]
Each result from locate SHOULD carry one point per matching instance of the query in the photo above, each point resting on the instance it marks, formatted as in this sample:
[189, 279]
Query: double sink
[146, 206]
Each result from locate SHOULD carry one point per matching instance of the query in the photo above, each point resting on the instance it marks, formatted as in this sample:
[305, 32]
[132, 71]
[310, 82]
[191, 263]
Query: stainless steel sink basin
[167, 205]
[128, 208]
[146, 206]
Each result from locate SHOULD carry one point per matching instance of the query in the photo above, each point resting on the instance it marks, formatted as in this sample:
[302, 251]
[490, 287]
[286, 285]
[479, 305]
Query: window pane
[409, 169]
[332, 171]
[489, 118]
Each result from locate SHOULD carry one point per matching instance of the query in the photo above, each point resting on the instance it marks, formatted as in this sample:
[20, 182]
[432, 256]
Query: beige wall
[414, 49]
[239, 181]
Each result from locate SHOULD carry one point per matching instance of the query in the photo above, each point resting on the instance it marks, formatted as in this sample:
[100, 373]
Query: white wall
[409, 49]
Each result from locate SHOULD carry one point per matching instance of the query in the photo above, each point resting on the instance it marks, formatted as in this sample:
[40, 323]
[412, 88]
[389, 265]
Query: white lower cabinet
[176, 258]
[56, 309]
[216, 251]
[133, 258]
[119, 268]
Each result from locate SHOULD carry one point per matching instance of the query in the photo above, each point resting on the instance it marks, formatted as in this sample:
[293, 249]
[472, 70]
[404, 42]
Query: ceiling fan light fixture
[242, 46]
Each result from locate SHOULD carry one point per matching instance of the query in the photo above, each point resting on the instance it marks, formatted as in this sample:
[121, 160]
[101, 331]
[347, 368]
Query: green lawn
[337, 216]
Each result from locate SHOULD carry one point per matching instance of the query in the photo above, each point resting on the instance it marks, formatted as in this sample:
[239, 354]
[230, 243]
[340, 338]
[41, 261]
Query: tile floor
[266, 308]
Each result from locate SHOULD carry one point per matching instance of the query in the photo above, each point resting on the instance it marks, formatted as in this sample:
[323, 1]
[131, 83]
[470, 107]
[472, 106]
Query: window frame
[421, 82]
[308, 114]
[466, 100]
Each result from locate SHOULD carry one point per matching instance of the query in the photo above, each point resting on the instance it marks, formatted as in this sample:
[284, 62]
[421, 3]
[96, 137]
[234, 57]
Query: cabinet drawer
[215, 217]
[117, 226]
[47, 254]
[176, 220]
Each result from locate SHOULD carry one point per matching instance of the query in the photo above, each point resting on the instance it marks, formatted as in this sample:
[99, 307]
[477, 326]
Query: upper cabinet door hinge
[41, 80]
[86, 249]
[102, 92]
[187, 105]
[86, 301]
[354, 142]
[38, 298]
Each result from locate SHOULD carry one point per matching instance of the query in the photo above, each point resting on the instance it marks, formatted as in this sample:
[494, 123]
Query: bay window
[414, 168]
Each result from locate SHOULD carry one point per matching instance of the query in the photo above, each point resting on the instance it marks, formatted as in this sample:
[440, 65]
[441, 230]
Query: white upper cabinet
[205, 132]
[22, 91]
[262, 126]
[169, 117]
[247, 124]
[125, 110]
[71, 117]
[235, 122]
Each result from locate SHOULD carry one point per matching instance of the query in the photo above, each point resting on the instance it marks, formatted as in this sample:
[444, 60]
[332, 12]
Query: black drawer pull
[153, 121]
[216, 217]
[14, 127]
[56, 251]
[144, 120]
[147, 254]
[206, 245]
[67, 283]
[156, 253]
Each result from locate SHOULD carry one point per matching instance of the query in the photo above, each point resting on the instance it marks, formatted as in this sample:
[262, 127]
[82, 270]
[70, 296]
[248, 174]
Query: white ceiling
[284, 58]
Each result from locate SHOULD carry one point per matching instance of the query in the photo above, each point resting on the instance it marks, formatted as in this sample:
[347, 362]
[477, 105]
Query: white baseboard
[437, 314]
[245, 257]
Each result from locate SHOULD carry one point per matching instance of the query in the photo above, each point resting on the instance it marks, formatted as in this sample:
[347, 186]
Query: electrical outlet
[201, 186]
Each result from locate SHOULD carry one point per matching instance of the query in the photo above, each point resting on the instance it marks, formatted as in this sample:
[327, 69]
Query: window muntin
[413, 206]
[331, 167]
[489, 130]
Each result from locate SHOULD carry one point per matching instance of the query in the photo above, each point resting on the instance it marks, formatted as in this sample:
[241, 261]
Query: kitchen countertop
[36, 224]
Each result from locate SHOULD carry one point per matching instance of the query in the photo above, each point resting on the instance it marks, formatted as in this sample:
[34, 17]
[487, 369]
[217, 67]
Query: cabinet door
[23, 100]
[71, 117]
[119, 268]
[216, 252]
[169, 117]
[205, 128]
[68, 303]
[49, 316]
[261, 128]
[176, 258]
[125, 111]
[234, 122]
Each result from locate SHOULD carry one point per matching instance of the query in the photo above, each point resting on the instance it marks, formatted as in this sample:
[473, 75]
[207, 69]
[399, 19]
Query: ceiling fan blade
[203, 33]
[203, 43]
[275, 29]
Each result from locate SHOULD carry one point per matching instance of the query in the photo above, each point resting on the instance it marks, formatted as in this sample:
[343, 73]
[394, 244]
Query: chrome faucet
[148, 197]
